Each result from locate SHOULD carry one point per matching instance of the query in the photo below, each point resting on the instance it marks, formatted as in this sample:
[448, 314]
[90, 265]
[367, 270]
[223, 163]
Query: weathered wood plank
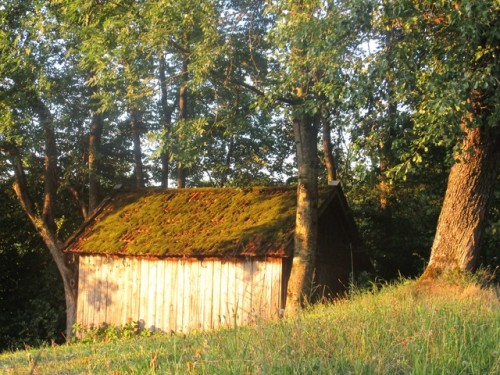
[194, 319]
[160, 285]
[247, 281]
[239, 286]
[186, 291]
[151, 295]
[225, 295]
[80, 305]
[179, 306]
[216, 295]
[135, 302]
[207, 285]
[269, 288]
[101, 290]
[90, 294]
[143, 296]
[109, 293]
[173, 291]
[258, 285]
[167, 296]
[274, 301]
[125, 282]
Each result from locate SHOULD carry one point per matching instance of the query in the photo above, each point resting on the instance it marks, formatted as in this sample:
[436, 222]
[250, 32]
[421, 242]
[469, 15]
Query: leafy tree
[30, 49]
[31, 296]
[312, 43]
[452, 49]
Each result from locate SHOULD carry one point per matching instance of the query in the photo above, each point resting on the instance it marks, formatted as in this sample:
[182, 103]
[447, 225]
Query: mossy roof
[193, 222]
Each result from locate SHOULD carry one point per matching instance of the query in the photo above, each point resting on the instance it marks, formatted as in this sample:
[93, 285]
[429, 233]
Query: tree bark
[388, 133]
[66, 265]
[183, 115]
[331, 170]
[96, 128]
[300, 283]
[46, 226]
[50, 163]
[136, 125]
[181, 176]
[167, 122]
[463, 215]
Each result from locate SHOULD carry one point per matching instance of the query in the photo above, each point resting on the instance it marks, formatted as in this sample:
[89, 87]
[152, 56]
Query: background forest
[206, 93]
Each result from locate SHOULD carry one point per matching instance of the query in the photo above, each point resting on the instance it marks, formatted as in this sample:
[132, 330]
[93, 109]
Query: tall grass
[399, 329]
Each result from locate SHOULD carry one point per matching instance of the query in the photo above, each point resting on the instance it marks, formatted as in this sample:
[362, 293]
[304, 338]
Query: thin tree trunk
[81, 202]
[388, 134]
[227, 165]
[50, 164]
[167, 122]
[331, 170]
[96, 128]
[136, 125]
[463, 215]
[300, 284]
[181, 176]
[183, 115]
[230, 148]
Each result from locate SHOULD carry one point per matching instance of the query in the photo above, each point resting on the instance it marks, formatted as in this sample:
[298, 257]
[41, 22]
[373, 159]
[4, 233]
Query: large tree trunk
[66, 265]
[463, 215]
[300, 283]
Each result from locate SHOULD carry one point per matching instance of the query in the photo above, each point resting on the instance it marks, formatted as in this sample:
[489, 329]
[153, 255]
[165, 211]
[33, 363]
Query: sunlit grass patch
[396, 329]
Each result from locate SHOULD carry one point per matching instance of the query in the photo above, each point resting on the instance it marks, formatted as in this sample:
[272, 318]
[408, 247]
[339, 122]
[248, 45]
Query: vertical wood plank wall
[176, 294]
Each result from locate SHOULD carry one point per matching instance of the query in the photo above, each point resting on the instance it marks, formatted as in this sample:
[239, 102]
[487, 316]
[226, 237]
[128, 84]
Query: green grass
[399, 329]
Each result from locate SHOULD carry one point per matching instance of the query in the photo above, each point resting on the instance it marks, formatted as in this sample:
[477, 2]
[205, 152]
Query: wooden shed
[178, 260]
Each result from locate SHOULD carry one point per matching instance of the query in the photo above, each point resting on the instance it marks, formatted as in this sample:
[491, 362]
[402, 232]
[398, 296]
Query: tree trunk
[300, 283]
[227, 165]
[50, 164]
[388, 133]
[181, 176]
[331, 170]
[463, 215]
[166, 117]
[135, 123]
[66, 265]
[96, 128]
[183, 115]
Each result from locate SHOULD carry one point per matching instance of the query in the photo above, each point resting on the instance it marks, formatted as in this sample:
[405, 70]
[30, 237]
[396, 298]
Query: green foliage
[31, 295]
[403, 328]
[398, 239]
[107, 332]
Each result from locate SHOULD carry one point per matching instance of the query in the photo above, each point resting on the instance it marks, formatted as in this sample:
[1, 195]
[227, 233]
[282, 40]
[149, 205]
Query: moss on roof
[193, 222]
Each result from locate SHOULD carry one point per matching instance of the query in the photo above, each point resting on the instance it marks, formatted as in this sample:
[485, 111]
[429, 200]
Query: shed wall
[178, 294]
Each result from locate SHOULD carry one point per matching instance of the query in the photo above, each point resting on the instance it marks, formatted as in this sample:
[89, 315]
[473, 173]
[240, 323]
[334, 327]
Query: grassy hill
[450, 328]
